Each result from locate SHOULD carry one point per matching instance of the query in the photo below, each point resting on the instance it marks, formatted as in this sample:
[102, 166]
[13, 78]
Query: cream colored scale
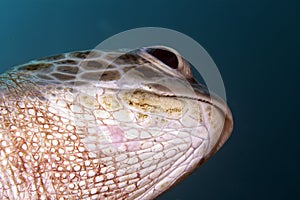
[105, 125]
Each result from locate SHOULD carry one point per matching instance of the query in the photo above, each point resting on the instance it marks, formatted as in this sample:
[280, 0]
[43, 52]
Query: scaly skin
[104, 125]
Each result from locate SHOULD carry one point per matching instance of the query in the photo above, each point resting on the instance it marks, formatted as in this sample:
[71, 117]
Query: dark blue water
[256, 47]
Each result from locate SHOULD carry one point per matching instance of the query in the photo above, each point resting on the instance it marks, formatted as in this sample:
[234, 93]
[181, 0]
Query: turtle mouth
[204, 95]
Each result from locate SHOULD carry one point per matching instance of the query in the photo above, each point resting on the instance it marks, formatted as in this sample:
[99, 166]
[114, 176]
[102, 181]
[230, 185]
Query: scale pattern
[103, 125]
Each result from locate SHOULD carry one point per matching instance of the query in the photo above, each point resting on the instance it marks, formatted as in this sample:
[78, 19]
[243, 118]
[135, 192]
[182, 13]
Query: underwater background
[255, 45]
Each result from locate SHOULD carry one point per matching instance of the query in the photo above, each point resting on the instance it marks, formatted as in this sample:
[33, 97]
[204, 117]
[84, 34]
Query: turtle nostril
[167, 57]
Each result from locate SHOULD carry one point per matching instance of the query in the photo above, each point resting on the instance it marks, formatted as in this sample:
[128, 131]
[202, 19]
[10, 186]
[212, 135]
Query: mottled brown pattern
[126, 59]
[44, 76]
[53, 58]
[85, 54]
[80, 55]
[37, 66]
[62, 77]
[67, 69]
[68, 62]
[102, 76]
[94, 65]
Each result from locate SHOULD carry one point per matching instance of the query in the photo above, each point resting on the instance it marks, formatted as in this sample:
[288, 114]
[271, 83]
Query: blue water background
[254, 43]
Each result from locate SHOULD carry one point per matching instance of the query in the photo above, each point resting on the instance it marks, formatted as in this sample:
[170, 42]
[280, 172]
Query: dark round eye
[165, 56]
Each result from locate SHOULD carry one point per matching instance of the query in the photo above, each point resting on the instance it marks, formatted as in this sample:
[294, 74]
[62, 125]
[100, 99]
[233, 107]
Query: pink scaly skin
[117, 137]
[116, 134]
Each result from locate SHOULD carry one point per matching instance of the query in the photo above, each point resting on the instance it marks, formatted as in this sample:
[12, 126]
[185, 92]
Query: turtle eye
[167, 57]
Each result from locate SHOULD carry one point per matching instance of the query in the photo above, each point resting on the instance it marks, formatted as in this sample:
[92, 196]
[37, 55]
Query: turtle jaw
[220, 106]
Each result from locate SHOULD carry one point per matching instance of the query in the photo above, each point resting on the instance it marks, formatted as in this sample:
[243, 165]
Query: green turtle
[105, 125]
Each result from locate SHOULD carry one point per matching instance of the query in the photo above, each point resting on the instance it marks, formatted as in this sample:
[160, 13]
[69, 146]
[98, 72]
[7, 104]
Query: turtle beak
[222, 114]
